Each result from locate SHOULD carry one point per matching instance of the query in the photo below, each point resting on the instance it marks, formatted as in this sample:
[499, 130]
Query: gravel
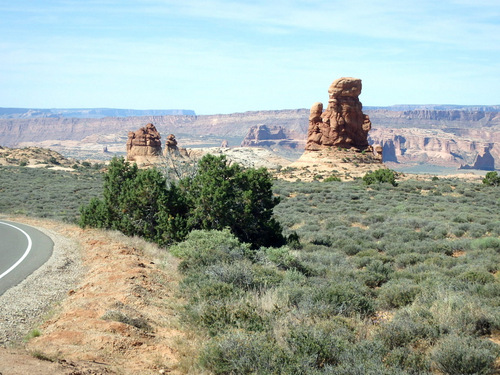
[24, 306]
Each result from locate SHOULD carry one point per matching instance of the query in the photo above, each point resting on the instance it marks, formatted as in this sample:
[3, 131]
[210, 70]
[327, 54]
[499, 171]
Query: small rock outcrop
[172, 150]
[269, 136]
[343, 123]
[144, 144]
[171, 145]
[263, 135]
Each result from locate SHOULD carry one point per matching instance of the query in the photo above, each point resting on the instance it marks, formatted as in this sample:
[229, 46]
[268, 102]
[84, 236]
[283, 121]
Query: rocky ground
[119, 316]
[33, 157]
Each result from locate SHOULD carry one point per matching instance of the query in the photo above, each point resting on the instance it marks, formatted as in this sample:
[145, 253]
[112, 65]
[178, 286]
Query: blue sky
[225, 56]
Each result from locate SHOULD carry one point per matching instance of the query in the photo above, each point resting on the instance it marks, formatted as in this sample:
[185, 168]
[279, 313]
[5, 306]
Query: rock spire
[342, 123]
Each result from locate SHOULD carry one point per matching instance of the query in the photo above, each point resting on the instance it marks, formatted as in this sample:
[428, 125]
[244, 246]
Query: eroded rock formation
[268, 136]
[171, 144]
[143, 144]
[343, 123]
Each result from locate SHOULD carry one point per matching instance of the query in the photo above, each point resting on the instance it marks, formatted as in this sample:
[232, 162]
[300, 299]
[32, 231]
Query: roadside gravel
[24, 306]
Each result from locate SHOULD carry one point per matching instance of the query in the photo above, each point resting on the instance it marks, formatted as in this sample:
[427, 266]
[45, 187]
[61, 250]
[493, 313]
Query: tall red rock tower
[343, 123]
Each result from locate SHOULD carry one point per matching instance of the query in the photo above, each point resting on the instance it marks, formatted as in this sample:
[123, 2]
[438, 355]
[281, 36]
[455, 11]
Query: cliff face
[233, 127]
[273, 137]
[425, 118]
[404, 146]
[446, 137]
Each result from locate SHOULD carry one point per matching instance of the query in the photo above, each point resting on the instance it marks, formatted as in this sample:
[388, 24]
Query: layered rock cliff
[272, 137]
[465, 132]
[436, 147]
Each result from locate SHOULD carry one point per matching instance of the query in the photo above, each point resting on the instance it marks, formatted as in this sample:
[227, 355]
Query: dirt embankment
[120, 318]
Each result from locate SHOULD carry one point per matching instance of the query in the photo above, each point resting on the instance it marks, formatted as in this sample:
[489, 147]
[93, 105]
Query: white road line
[28, 249]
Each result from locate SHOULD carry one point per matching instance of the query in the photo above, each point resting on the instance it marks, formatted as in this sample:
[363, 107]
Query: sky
[226, 56]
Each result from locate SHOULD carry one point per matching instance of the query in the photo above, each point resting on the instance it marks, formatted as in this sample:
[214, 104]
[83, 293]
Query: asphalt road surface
[23, 249]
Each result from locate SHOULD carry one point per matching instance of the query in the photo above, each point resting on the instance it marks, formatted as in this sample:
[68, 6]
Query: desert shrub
[376, 273]
[218, 316]
[380, 176]
[26, 191]
[318, 345]
[491, 179]
[338, 299]
[364, 358]
[349, 273]
[283, 258]
[412, 361]
[204, 248]
[464, 355]
[241, 352]
[487, 243]
[397, 293]
[332, 179]
[477, 276]
[408, 258]
[458, 312]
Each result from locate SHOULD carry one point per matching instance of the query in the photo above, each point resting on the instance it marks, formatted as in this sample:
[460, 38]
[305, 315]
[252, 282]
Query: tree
[222, 195]
[380, 176]
[491, 179]
[138, 203]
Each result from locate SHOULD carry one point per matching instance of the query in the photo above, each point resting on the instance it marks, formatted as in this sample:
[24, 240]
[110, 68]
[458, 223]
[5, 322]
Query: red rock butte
[343, 123]
[144, 144]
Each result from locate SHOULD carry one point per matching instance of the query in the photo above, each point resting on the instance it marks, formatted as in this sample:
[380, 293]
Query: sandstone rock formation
[269, 136]
[343, 123]
[484, 160]
[144, 144]
[172, 150]
[171, 144]
[436, 147]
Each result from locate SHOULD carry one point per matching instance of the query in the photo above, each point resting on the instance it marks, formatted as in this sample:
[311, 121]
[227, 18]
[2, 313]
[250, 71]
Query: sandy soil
[121, 319]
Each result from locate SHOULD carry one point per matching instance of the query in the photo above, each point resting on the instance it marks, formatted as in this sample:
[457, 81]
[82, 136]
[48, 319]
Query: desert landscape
[320, 259]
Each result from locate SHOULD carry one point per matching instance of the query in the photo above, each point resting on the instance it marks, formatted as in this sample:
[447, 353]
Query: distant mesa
[29, 113]
[144, 145]
[343, 123]
[269, 136]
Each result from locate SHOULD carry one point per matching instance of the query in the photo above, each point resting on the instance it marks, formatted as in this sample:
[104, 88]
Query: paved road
[23, 249]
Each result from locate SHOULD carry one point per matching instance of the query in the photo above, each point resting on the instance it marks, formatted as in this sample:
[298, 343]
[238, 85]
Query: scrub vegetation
[376, 277]
[384, 280]
[47, 193]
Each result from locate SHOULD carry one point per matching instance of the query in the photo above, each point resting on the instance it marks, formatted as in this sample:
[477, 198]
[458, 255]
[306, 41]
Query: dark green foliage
[332, 179]
[223, 195]
[491, 179]
[380, 176]
[142, 203]
[137, 203]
